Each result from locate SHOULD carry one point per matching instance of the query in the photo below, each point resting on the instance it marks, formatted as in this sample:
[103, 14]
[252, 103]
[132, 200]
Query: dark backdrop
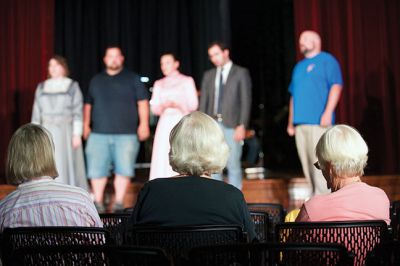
[263, 41]
[143, 29]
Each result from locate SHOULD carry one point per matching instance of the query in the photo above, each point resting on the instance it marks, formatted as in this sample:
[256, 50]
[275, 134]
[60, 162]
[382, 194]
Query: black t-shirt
[114, 102]
[191, 200]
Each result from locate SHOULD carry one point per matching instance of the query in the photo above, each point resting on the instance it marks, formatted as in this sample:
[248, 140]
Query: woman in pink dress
[174, 96]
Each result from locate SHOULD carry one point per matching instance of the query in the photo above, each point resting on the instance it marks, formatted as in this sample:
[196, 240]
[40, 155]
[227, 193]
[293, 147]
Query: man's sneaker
[100, 207]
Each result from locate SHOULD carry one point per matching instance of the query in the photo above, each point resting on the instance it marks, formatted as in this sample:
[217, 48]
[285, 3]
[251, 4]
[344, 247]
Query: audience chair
[387, 253]
[90, 255]
[261, 222]
[20, 237]
[276, 214]
[359, 237]
[256, 254]
[143, 256]
[177, 241]
[115, 223]
[395, 219]
[129, 210]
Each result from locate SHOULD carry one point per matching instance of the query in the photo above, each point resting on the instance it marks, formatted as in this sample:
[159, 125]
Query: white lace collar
[57, 85]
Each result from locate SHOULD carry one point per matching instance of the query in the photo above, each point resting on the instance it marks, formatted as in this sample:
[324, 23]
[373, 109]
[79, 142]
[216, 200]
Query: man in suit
[226, 96]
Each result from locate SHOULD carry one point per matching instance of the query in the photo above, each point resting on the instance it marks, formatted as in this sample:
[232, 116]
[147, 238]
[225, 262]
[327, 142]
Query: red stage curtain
[365, 37]
[26, 43]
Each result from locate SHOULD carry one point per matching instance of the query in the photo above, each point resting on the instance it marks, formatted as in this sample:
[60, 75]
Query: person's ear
[226, 53]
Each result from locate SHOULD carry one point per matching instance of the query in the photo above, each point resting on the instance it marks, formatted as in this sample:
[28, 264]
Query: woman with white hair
[342, 156]
[198, 149]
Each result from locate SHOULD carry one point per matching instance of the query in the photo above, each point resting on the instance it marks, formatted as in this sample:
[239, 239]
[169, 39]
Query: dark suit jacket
[236, 101]
[191, 200]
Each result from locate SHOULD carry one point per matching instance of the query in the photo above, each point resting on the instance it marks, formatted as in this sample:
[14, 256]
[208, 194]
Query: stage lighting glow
[144, 79]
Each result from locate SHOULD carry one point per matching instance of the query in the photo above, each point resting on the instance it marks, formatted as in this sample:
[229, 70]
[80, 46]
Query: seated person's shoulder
[378, 192]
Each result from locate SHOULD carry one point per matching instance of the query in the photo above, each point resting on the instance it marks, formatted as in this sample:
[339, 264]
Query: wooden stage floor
[290, 191]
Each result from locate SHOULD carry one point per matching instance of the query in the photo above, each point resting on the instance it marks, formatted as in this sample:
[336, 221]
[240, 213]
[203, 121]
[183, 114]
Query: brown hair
[63, 62]
[30, 155]
[221, 45]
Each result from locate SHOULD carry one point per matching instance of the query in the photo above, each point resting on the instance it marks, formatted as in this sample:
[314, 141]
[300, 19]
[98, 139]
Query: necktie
[221, 92]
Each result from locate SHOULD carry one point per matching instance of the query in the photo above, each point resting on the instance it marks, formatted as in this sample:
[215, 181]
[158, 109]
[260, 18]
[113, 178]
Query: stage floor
[288, 190]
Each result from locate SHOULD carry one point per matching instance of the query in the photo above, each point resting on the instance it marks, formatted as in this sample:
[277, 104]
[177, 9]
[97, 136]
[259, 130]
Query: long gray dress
[58, 107]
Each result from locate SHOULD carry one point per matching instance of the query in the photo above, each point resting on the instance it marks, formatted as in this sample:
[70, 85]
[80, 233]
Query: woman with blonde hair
[58, 107]
[198, 149]
[39, 200]
[342, 156]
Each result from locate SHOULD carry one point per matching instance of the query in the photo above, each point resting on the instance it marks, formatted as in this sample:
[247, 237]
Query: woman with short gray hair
[342, 156]
[198, 149]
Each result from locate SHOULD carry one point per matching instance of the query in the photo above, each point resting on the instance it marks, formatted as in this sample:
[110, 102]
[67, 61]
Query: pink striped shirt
[46, 202]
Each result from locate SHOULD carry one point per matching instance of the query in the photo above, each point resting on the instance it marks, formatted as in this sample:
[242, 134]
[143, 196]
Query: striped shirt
[45, 202]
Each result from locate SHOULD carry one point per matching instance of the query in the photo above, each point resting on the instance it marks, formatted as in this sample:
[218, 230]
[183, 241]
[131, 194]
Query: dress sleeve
[77, 105]
[36, 113]
[155, 102]
[191, 102]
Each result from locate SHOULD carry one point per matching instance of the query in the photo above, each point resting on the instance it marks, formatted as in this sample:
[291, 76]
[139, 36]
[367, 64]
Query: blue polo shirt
[312, 80]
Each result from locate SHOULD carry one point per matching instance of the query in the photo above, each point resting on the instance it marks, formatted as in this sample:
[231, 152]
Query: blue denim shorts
[105, 152]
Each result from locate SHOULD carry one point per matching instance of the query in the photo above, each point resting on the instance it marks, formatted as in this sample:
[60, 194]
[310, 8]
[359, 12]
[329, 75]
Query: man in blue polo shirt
[315, 91]
[116, 118]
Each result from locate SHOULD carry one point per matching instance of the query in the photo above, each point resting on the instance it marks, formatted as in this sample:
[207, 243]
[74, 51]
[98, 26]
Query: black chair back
[115, 223]
[143, 256]
[261, 223]
[395, 219]
[387, 253]
[271, 254]
[359, 237]
[20, 237]
[276, 214]
[177, 241]
[90, 255]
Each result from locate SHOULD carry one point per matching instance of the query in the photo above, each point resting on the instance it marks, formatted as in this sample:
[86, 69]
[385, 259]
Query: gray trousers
[307, 137]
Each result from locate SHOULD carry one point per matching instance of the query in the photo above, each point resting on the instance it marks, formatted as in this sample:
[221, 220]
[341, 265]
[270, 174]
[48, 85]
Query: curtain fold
[365, 37]
[26, 30]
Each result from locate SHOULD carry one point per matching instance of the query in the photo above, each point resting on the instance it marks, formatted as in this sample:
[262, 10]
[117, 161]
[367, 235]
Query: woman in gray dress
[58, 107]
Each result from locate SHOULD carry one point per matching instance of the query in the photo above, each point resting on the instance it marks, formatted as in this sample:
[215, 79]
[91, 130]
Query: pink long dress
[182, 90]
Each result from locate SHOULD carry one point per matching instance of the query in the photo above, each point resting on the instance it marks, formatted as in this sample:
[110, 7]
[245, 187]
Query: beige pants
[307, 137]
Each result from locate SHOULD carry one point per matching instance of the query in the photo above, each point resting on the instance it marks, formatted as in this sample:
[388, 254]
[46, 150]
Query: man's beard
[306, 51]
[114, 67]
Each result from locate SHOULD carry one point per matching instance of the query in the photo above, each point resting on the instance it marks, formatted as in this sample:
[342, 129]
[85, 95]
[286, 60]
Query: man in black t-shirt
[116, 118]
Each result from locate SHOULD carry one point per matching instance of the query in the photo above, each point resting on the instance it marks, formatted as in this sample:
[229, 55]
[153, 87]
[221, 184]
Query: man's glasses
[317, 165]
